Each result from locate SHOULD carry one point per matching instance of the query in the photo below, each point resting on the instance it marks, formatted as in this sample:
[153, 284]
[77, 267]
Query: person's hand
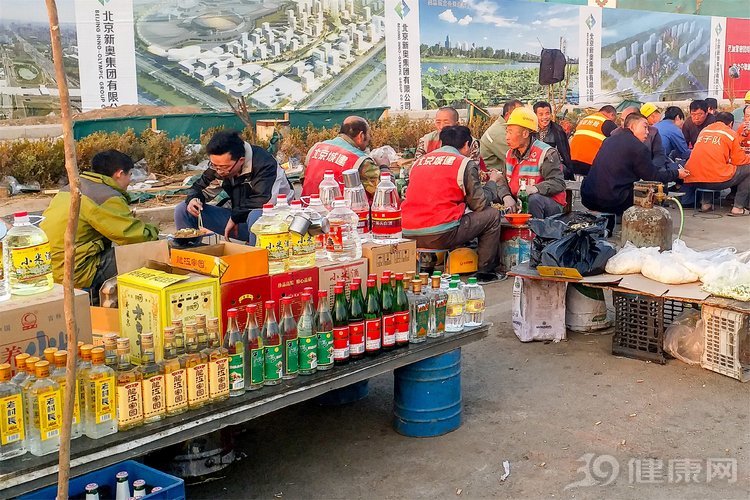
[509, 202]
[531, 190]
[683, 173]
[232, 229]
[495, 175]
[194, 207]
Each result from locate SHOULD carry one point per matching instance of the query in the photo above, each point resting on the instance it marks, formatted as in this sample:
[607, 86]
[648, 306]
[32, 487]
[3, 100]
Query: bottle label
[357, 337]
[154, 401]
[320, 242]
[402, 326]
[455, 310]
[50, 413]
[256, 366]
[302, 245]
[292, 357]
[273, 365]
[335, 238]
[175, 389]
[325, 348]
[474, 306]
[308, 353]
[197, 382]
[11, 420]
[389, 330]
[218, 377]
[277, 245]
[30, 263]
[341, 343]
[363, 221]
[422, 320]
[237, 369]
[129, 403]
[104, 400]
[386, 222]
[76, 402]
[373, 329]
[440, 312]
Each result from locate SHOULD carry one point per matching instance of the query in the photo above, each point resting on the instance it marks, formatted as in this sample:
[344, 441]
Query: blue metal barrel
[427, 396]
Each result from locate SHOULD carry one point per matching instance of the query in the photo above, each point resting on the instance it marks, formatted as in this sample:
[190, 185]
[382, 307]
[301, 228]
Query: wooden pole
[71, 167]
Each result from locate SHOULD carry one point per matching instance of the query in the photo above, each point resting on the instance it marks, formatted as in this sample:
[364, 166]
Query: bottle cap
[41, 369]
[399, 276]
[370, 283]
[308, 289]
[49, 354]
[386, 273]
[322, 294]
[435, 282]
[314, 197]
[416, 286]
[155, 489]
[280, 198]
[437, 273]
[354, 285]
[341, 283]
[328, 172]
[121, 476]
[357, 281]
[30, 362]
[285, 301]
[472, 281]
[61, 358]
[385, 278]
[306, 296]
[251, 308]
[385, 176]
[139, 483]
[213, 322]
[147, 340]
[351, 178]
[4, 372]
[169, 332]
[123, 345]
[21, 360]
[295, 204]
[91, 487]
[338, 289]
[270, 304]
[372, 277]
[424, 277]
[267, 208]
[231, 312]
[85, 352]
[453, 284]
[97, 355]
[21, 217]
[110, 340]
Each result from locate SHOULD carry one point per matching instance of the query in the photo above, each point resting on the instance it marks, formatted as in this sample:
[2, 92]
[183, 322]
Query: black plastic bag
[551, 229]
[584, 250]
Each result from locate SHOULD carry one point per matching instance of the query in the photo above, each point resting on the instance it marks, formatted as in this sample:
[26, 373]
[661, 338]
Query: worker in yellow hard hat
[532, 165]
[739, 113]
[651, 112]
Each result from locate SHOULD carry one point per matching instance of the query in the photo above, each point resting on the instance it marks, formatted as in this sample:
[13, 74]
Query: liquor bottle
[273, 364]
[340, 327]
[139, 488]
[419, 312]
[401, 309]
[373, 323]
[49, 356]
[175, 376]
[254, 353]
[234, 343]
[179, 337]
[44, 408]
[92, 491]
[329, 189]
[218, 363]
[99, 389]
[356, 321]
[26, 257]
[288, 328]
[308, 340]
[523, 198]
[30, 372]
[320, 242]
[122, 491]
[342, 241]
[202, 333]
[438, 304]
[356, 198]
[454, 316]
[195, 364]
[386, 212]
[21, 374]
[110, 350]
[388, 313]
[154, 382]
[129, 389]
[424, 278]
[474, 303]
[12, 430]
[60, 359]
[324, 332]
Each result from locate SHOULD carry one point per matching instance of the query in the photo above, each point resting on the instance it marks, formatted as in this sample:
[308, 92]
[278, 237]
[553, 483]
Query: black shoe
[484, 278]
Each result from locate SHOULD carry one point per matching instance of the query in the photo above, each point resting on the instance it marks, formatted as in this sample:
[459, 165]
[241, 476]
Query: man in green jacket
[105, 218]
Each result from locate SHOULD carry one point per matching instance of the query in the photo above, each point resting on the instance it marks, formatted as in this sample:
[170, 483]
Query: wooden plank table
[28, 472]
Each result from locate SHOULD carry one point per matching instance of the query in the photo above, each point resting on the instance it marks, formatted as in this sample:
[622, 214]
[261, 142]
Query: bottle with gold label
[175, 378]
[84, 364]
[200, 325]
[21, 374]
[58, 375]
[218, 363]
[129, 389]
[179, 337]
[44, 407]
[196, 365]
[110, 350]
[154, 391]
[49, 355]
[12, 430]
[99, 388]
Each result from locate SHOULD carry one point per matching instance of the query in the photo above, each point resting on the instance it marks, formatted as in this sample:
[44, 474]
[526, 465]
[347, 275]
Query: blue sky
[619, 24]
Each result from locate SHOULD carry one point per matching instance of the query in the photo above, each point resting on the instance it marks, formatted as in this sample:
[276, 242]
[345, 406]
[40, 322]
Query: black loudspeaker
[551, 67]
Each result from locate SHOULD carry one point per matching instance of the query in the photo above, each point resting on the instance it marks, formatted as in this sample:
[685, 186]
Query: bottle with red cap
[386, 212]
[356, 320]
[291, 340]
[340, 327]
[324, 332]
[388, 312]
[401, 308]
[328, 189]
[27, 257]
[254, 354]
[272, 233]
[343, 243]
[373, 324]
[273, 356]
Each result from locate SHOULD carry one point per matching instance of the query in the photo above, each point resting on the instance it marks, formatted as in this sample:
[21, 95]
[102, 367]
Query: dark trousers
[580, 168]
[106, 269]
[485, 225]
[741, 180]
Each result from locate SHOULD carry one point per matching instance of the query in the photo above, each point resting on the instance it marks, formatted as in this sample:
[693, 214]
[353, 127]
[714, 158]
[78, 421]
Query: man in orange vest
[442, 184]
[533, 164]
[588, 137]
[344, 152]
[445, 117]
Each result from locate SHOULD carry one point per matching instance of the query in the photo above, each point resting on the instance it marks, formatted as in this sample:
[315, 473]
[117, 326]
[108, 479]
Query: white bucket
[585, 309]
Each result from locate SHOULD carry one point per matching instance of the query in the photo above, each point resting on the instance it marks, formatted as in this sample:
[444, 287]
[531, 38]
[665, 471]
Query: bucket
[585, 309]
[427, 396]
[345, 395]
[515, 245]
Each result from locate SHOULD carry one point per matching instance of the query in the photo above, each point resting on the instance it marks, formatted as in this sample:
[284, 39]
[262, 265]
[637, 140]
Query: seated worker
[248, 174]
[492, 145]
[713, 105]
[739, 113]
[743, 130]
[105, 218]
[622, 160]
[553, 134]
[588, 137]
[445, 117]
[670, 130]
[535, 162]
[343, 152]
[653, 141]
[719, 162]
[699, 119]
[442, 184]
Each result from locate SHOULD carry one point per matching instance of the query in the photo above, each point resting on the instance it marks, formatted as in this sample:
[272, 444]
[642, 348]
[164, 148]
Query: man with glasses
[249, 175]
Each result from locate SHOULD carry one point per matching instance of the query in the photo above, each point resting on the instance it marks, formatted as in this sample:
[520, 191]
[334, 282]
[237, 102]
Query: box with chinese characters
[227, 261]
[398, 257]
[292, 284]
[331, 272]
[241, 293]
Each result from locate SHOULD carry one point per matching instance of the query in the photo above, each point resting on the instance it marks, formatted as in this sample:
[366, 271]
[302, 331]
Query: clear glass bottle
[196, 365]
[288, 327]
[419, 312]
[139, 488]
[273, 364]
[12, 429]
[272, 233]
[235, 344]
[21, 374]
[27, 257]
[301, 246]
[308, 340]
[356, 320]
[254, 353]
[474, 303]
[58, 374]
[129, 389]
[92, 491]
[30, 372]
[154, 382]
[202, 332]
[373, 321]
[340, 318]
[175, 376]
[523, 197]
[328, 189]
[342, 241]
[122, 490]
[179, 337]
[44, 407]
[402, 311]
[454, 317]
[218, 364]
[320, 243]
[324, 331]
[438, 306]
[356, 198]
[388, 312]
[99, 389]
[386, 212]
[110, 350]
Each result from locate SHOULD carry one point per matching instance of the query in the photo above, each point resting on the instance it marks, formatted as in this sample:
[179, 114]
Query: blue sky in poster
[620, 24]
[505, 24]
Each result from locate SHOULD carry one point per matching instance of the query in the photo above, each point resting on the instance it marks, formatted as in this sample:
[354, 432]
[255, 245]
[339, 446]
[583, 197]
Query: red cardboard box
[241, 293]
[292, 284]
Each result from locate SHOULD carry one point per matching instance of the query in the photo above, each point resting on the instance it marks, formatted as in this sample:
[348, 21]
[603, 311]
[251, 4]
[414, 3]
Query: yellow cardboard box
[226, 261]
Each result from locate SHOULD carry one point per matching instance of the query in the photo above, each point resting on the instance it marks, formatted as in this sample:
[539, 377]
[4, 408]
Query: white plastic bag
[664, 268]
[729, 279]
[629, 259]
[700, 262]
[384, 155]
[684, 337]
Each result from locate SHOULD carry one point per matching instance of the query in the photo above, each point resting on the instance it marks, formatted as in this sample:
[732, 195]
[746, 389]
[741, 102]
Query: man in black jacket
[622, 160]
[553, 134]
[248, 174]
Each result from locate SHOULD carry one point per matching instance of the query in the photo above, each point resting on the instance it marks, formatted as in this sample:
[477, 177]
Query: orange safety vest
[529, 168]
[588, 138]
[336, 155]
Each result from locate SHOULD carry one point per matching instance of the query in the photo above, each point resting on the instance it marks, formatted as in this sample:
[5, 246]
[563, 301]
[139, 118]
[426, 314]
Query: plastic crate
[639, 327]
[672, 309]
[724, 330]
[173, 488]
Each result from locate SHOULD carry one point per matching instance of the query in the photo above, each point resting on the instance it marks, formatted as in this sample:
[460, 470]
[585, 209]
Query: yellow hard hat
[648, 109]
[524, 117]
[747, 96]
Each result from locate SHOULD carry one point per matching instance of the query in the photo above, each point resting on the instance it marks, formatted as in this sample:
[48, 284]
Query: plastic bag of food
[700, 262]
[729, 279]
[384, 155]
[664, 268]
[629, 259]
[684, 337]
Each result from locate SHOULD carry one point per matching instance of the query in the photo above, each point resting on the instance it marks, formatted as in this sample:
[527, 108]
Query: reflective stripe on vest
[336, 155]
[529, 168]
[587, 138]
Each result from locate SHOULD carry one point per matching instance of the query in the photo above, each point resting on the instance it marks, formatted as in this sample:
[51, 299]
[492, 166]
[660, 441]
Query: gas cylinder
[647, 223]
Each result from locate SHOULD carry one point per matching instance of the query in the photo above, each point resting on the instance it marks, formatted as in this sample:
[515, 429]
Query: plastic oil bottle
[4, 287]
[27, 257]
[301, 246]
[272, 233]
[454, 316]
[320, 243]
[474, 303]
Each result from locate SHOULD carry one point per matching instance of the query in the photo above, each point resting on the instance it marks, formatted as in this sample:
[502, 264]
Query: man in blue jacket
[670, 129]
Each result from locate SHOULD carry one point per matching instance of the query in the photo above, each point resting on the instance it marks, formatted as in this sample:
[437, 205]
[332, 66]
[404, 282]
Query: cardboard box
[397, 258]
[292, 284]
[34, 322]
[239, 294]
[226, 261]
[330, 272]
[151, 299]
[103, 320]
[138, 255]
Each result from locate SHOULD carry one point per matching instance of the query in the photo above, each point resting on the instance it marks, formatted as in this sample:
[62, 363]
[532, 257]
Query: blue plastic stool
[698, 202]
